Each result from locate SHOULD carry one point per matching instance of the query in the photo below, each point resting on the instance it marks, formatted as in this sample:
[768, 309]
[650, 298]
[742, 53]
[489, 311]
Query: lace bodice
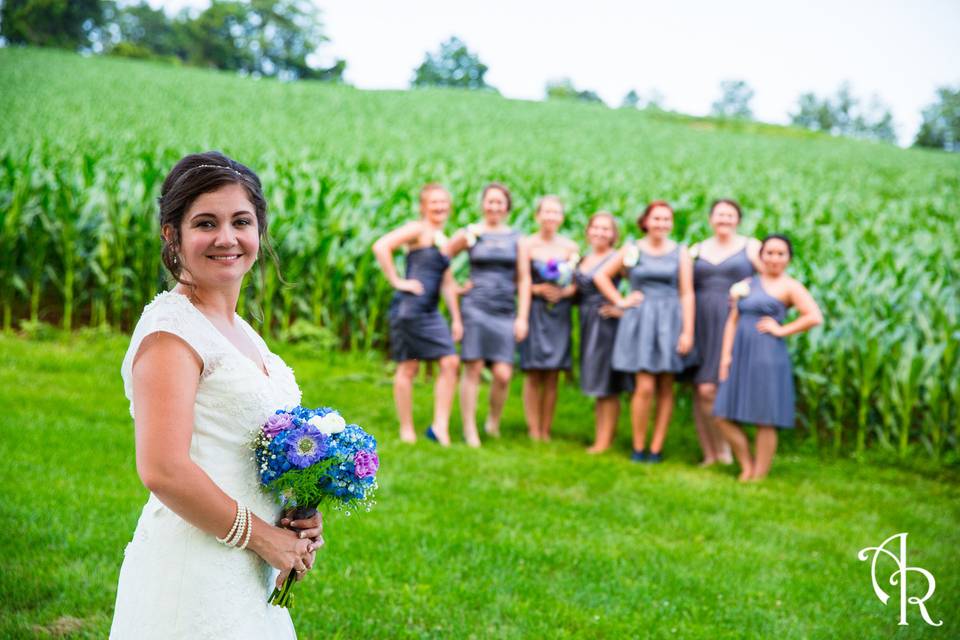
[234, 396]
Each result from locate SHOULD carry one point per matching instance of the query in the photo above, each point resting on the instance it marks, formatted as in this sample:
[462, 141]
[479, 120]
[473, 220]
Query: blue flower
[305, 446]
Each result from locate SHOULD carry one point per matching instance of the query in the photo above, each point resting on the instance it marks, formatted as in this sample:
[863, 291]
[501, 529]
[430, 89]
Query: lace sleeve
[168, 313]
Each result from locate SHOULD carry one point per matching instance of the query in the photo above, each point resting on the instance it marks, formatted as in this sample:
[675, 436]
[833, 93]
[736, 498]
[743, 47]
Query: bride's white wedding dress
[176, 580]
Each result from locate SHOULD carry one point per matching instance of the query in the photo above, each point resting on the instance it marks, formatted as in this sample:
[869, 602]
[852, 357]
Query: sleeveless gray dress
[489, 308]
[759, 389]
[417, 330]
[711, 286]
[547, 346]
[597, 377]
[647, 335]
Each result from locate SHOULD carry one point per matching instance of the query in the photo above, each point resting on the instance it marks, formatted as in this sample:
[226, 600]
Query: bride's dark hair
[200, 173]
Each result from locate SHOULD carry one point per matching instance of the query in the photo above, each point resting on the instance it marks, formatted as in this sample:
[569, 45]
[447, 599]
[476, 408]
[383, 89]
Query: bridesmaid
[656, 331]
[546, 349]
[491, 325]
[417, 330]
[756, 378]
[719, 262]
[598, 329]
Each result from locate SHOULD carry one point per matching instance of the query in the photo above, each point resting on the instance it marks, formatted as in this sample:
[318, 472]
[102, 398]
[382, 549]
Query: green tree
[812, 113]
[734, 101]
[563, 89]
[452, 66]
[50, 23]
[140, 31]
[845, 115]
[273, 38]
[631, 100]
[940, 128]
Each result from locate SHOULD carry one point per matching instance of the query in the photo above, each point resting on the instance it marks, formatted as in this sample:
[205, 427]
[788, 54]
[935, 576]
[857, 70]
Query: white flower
[631, 256]
[473, 232]
[439, 240]
[574, 260]
[740, 290]
[328, 424]
[695, 251]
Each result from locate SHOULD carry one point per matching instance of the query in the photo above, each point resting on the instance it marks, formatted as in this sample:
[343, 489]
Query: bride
[205, 554]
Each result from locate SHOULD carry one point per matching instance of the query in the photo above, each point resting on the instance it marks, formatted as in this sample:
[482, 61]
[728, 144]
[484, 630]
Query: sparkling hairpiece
[216, 166]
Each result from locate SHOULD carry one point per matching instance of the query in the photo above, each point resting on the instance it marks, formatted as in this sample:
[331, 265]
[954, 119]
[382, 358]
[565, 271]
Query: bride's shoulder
[173, 313]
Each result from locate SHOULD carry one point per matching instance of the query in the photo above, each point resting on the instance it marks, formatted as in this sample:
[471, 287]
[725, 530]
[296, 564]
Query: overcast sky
[899, 50]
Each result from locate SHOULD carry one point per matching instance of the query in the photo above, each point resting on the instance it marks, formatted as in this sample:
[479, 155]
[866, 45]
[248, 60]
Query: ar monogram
[899, 578]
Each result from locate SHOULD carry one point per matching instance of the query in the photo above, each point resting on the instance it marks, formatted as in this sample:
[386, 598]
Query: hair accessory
[216, 166]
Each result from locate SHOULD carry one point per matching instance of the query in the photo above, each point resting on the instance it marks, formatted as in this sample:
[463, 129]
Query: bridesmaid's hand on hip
[410, 286]
[610, 311]
[766, 324]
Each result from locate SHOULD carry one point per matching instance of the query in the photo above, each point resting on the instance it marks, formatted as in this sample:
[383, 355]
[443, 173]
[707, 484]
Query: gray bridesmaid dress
[597, 376]
[417, 330]
[711, 286]
[489, 308]
[547, 346]
[648, 333]
[759, 387]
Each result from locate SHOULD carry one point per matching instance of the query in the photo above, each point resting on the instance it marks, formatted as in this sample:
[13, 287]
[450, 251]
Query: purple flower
[552, 270]
[305, 446]
[276, 423]
[365, 464]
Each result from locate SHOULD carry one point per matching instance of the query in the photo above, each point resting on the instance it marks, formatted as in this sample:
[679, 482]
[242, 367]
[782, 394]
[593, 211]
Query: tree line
[270, 38]
[454, 65]
[280, 38]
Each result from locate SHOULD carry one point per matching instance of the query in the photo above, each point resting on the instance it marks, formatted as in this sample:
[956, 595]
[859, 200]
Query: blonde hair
[613, 222]
[431, 186]
[548, 198]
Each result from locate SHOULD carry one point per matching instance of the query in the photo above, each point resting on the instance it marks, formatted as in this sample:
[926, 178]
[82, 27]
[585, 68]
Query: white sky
[900, 50]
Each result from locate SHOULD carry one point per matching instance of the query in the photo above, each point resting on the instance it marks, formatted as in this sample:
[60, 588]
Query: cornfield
[86, 143]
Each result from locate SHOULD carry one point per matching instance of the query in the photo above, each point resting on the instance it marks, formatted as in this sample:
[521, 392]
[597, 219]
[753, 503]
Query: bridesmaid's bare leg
[499, 389]
[531, 402]
[403, 397]
[549, 406]
[607, 410]
[443, 390]
[640, 408]
[701, 419]
[740, 445]
[766, 447]
[469, 390]
[664, 412]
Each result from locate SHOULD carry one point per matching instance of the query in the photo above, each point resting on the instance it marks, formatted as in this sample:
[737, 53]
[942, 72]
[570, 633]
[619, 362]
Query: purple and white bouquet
[558, 272]
[308, 457]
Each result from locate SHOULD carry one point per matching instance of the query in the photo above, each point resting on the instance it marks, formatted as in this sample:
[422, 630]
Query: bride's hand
[309, 529]
[280, 548]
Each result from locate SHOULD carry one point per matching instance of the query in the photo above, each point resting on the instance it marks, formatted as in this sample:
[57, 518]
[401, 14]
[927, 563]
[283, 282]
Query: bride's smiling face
[219, 238]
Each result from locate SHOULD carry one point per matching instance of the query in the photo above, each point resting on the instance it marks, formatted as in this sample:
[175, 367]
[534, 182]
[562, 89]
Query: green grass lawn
[516, 540]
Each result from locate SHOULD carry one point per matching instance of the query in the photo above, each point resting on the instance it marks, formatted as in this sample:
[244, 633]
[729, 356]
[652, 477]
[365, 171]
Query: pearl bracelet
[233, 529]
[246, 540]
[232, 542]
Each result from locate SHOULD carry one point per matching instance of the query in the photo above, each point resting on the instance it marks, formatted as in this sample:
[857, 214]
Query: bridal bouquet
[307, 457]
